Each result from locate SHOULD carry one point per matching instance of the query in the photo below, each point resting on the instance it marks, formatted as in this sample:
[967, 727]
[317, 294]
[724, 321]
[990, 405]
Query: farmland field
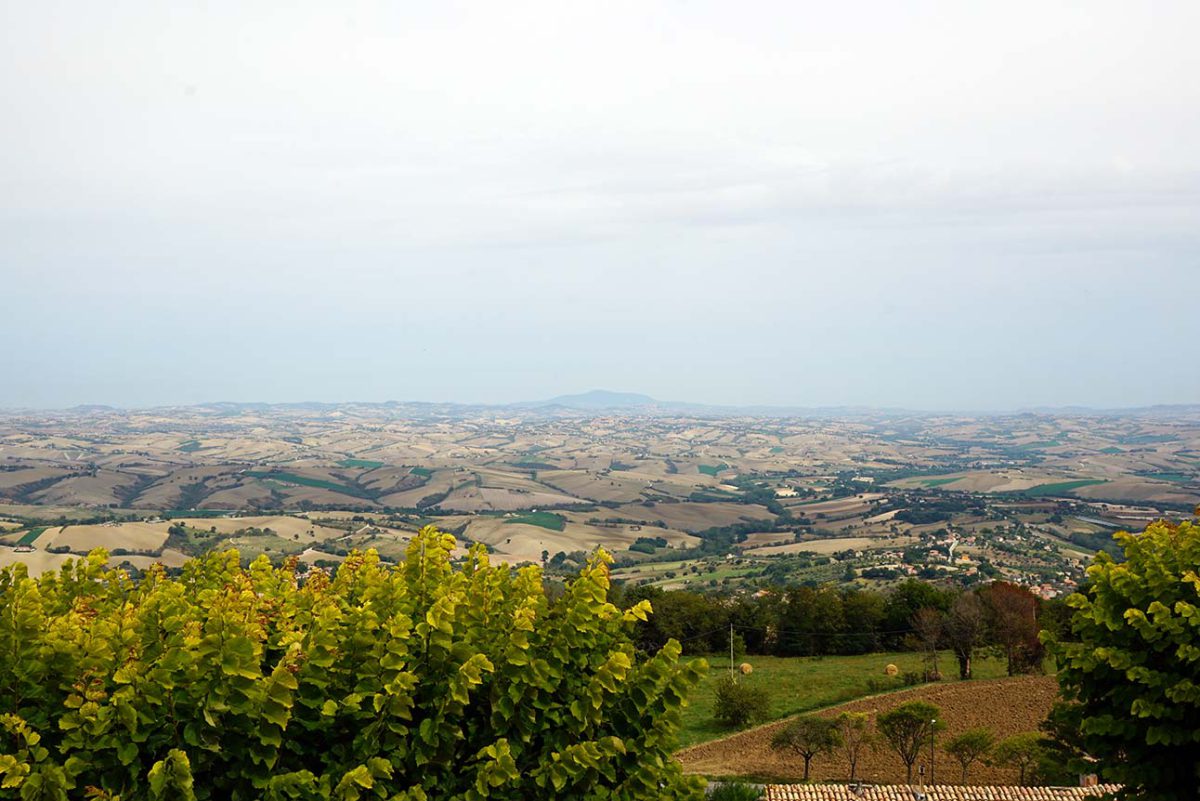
[964, 705]
[30, 537]
[307, 481]
[547, 520]
[802, 684]
[1061, 487]
[363, 463]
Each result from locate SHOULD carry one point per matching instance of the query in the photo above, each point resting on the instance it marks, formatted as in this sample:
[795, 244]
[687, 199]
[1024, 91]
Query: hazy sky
[938, 205]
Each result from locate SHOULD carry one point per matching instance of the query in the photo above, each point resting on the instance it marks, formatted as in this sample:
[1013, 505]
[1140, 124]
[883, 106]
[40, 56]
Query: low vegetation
[421, 682]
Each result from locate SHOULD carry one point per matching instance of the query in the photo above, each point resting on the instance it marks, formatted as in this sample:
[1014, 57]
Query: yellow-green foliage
[425, 681]
[1132, 667]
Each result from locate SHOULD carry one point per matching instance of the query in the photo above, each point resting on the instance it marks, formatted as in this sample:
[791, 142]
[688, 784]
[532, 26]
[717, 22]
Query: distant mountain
[597, 399]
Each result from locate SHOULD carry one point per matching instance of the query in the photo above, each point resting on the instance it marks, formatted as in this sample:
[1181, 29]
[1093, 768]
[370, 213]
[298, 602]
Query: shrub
[1129, 665]
[735, 791]
[421, 682]
[738, 705]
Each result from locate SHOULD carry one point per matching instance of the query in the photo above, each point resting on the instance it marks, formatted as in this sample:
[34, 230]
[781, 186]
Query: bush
[1128, 667]
[421, 682]
[735, 791]
[738, 705]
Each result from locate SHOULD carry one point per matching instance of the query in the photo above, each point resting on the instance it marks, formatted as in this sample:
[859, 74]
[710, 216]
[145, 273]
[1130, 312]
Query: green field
[712, 469]
[544, 519]
[777, 449]
[1061, 487]
[1178, 478]
[31, 535]
[803, 684]
[197, 513]
[940, 482]
[368, 464]
[423, 472]
[1111, 449]
[305, 481]
[191, 446]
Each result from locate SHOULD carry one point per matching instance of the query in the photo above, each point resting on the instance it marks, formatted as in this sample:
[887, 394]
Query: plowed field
[1006, 706]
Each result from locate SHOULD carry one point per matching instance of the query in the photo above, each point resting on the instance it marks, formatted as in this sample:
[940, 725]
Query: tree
[927, 626]
[907, 727]
[1021, 751]
[1129, 670]
[904, 602]
[806, 736]
[739, 704]
[425, 681]
[1012, 618]
[854, 735]
[965, 626]
[969, 747]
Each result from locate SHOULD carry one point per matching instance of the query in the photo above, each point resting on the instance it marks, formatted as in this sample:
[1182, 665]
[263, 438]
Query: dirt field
[1006, 706]
[130, 536]
[690, 516]
[99, 490]
[15, 478]
[832, 545]
[38, 562]
[284, 526]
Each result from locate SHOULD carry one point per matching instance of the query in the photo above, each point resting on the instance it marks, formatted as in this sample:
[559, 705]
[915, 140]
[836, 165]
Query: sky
[932, 205]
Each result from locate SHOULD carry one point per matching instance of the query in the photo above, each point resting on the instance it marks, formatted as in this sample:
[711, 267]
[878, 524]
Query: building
[940, 792]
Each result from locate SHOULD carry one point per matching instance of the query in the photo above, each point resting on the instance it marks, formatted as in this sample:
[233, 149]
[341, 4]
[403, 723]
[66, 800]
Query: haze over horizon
[932, 206]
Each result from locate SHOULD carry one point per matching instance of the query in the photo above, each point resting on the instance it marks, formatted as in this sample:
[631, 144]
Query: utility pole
[731, 651]
[932, 736]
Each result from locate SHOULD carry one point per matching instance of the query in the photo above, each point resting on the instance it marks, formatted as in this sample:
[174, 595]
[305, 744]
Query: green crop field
[191, 446]
[940, 482]
[1178, 478]
[197, 513]
[1061, 487]
[712, 469]
[804, 684]
[423, 472]
[368, 464]
[305, 481]
[544, 519]
[30, 536]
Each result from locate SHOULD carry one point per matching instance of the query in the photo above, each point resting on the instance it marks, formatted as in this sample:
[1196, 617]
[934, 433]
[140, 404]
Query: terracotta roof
[941, 792]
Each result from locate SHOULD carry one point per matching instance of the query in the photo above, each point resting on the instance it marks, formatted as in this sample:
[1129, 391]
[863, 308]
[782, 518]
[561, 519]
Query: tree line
[828, 620]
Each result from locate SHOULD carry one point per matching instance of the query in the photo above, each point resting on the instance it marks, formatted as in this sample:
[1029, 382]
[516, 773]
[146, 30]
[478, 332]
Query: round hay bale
[745, 668]
[891, 670]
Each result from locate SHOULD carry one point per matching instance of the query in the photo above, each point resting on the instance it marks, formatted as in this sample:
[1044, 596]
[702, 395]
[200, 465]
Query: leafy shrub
[739, 705]
[735, 791]
[421, 682]
[1129, 665]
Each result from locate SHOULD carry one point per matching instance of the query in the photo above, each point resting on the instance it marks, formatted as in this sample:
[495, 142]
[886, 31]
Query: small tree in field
[1130, 668]
[854, 732]
[928, 629]
[907, 728]
[965, 626]
[1021, 751]
[969, 747]
[807, 736]
[738, 704]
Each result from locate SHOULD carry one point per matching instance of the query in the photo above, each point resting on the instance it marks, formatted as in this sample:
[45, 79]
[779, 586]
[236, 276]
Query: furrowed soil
[1005, 706]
